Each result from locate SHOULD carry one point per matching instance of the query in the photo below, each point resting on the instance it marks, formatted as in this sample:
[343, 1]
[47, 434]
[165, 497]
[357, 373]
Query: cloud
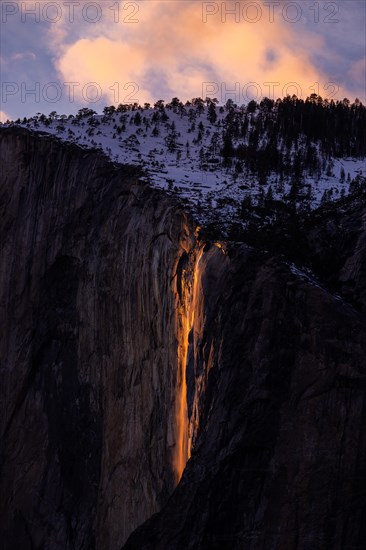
[172, 41]
[4, 117]
[169, 51]
[19, 56]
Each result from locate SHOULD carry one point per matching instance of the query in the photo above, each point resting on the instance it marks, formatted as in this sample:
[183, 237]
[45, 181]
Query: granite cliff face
[280, 460]
[130, 344]
[90, 379]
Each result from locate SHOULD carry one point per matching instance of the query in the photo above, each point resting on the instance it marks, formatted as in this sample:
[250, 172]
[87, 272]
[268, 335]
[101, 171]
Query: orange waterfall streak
[182, 410]
[186, 321]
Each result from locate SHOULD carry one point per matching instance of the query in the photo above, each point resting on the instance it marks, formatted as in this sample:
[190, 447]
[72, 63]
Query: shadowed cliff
[280, 459]
[89, 367]
[130, 342]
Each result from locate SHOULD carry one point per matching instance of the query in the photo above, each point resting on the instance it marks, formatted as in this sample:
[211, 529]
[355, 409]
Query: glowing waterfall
[186, 315]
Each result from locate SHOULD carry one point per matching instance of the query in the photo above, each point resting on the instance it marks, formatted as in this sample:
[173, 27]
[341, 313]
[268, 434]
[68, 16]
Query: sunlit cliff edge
[132, 343]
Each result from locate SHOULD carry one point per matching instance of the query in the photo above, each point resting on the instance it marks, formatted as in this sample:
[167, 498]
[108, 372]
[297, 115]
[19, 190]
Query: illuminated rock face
[129, 345]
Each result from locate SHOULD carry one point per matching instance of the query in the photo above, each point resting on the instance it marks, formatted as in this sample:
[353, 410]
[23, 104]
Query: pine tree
[343, 175]
[227, 149]
[171, 139]
[211, 114]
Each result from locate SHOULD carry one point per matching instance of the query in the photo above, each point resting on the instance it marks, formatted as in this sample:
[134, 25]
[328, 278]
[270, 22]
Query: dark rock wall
[88, 342]
[280, 459]
[118, 321]
[335, 238]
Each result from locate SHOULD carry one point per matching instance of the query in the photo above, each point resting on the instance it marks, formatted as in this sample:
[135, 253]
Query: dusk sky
[65, 55]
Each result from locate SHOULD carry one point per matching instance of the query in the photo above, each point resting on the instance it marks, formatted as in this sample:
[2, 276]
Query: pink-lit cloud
[4, 117]
[172, 40]
[166, 49]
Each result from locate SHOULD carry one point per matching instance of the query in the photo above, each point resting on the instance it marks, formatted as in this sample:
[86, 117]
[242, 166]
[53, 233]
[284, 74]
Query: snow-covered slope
[180, 149]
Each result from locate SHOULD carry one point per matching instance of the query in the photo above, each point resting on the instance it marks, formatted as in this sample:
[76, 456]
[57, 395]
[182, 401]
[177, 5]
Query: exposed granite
[107, 291]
